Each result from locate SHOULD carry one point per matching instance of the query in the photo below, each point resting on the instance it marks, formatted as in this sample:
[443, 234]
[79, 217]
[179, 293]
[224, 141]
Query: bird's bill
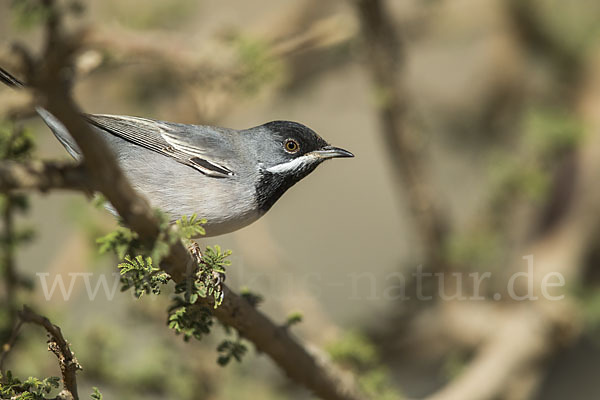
[332, 152]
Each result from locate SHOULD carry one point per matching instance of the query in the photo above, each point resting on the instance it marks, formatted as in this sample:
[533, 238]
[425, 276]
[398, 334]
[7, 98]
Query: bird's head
[287, 152]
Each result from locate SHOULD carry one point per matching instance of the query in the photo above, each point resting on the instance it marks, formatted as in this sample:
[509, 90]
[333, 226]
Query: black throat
[272, 186]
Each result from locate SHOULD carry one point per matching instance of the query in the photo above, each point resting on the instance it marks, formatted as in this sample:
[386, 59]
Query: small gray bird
[227, 176]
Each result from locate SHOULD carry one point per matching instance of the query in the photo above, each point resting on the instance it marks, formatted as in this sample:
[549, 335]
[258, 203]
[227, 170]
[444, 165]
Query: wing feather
[172, 140]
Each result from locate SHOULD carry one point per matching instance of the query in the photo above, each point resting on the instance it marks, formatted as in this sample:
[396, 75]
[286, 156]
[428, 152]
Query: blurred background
[475, 125]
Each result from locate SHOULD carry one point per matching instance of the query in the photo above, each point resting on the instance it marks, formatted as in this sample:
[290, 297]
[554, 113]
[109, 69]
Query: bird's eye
[291, 146]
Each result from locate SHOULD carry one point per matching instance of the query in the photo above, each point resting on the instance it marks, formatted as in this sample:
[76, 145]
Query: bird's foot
[210, 277]
[196, 253]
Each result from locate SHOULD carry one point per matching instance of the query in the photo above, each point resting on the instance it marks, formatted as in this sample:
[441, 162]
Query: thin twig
[10, 343]
[8, 263]
[43, 176]
[59, 346]
[11, 281]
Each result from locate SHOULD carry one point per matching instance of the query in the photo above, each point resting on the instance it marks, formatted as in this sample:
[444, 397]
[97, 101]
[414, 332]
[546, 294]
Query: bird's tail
[59, 130]
[10, 80]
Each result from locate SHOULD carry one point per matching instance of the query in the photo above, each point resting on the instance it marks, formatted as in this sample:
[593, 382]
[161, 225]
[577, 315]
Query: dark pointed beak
[332, 152]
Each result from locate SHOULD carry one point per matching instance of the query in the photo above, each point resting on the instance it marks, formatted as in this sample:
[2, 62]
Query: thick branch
[300, 365]
[59, 346]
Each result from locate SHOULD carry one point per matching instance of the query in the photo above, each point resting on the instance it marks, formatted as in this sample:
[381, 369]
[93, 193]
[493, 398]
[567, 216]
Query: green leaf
[142, 275]
[190, 227]
[29, 13]
[32, 388]
[355, 349]
[96, 395]
[251, 297]
[119, 241]
[189, 321]
[258, 66]
[99, 201]
[229, 349]
[293, 319]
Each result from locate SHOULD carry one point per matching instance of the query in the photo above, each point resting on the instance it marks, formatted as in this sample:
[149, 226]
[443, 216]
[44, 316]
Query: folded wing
[200, 147]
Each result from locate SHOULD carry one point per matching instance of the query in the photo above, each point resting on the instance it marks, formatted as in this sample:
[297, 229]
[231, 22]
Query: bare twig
[9, 241]
[326, 33]
[59, 346]
[214, 74]
[43, 176]
[10, 343]
[8, 259]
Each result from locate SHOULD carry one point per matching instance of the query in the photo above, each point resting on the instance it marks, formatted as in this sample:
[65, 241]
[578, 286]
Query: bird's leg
[194, 269]
[215, 279]
[195, 251]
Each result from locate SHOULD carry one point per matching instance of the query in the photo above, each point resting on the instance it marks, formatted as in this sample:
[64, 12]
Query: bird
[228, 177]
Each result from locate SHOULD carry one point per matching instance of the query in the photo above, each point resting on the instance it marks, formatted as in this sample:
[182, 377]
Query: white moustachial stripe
[292, 165]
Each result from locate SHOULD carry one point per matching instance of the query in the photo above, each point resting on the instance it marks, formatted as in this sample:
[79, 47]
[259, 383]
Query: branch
[323, 34]
[310, 370]
[503, 358]
[9, 273]
[529, 25]
[43, 176]
[385, 61]
[10, 343]
[11, 203]
[47, 78]
[59, 346]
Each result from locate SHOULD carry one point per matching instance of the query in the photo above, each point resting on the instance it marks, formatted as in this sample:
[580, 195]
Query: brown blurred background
[500, 110]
